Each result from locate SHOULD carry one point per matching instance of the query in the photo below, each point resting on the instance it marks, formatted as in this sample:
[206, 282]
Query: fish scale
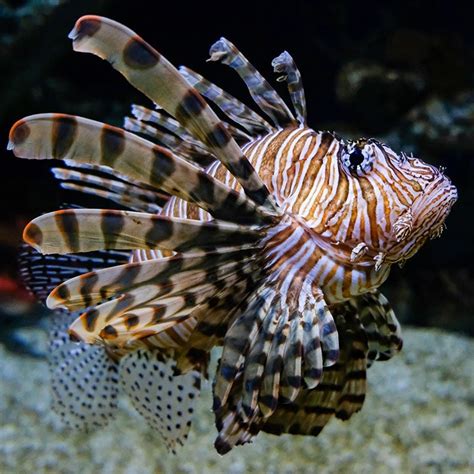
[310, 225]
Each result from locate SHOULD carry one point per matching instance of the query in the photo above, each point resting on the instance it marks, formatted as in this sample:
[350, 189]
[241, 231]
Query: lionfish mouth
[425, 220]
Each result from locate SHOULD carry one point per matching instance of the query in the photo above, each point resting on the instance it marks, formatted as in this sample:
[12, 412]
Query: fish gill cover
[255, 233]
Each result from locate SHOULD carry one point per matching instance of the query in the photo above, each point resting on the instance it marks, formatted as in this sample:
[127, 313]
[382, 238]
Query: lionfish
[254, 233]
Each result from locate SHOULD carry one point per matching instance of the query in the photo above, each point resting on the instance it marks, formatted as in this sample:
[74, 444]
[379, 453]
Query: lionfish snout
[440, 206]
[425, 219]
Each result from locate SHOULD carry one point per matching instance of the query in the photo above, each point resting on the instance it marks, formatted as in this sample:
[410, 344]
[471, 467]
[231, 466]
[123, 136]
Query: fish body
[335, 208]
[273, 242]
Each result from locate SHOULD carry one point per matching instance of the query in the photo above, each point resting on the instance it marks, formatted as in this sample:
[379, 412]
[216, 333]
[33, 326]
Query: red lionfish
[273, 243]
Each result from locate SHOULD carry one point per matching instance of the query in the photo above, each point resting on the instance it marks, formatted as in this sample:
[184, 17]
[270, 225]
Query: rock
[417, 418]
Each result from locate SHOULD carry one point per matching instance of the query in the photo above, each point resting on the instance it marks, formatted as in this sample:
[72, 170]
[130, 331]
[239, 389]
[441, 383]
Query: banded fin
[381, 325]
[234, 109]
[273, 322]
[285, 64]
[214, 317]
[340, 393]
[157, 118]
[260, 90]
[187, 149]
[125, 194]
[272, 389]
[84, 385]
[76, 138]
[108, 172]
[255, 365]
[152, 307]
[94, 287]
[146, 310]
[142, 322]
[185, 140]
[177, 336]
[86, 230]
[239, 339]
[174, 338]
[292, 372]
[89, 326]
[180, 147]
[158, 79]
[42, 273]
[166, 400]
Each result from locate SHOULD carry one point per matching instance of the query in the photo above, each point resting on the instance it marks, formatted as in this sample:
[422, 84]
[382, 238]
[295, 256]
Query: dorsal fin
[261, 91]
[232, 107]
[150, 72]
[285, 64]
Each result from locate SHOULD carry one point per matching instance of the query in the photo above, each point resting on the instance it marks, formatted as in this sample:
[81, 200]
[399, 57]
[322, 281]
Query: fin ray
[262, 93]
[76, 138]
[158, 79]
[85, 230]
[232, 107]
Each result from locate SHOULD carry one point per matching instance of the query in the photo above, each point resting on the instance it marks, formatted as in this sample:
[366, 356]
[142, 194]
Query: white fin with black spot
[166, 400]
[84, 384]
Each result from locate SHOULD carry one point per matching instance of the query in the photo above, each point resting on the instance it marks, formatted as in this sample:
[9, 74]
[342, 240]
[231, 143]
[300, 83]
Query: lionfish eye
[356, 157]
[357, 160]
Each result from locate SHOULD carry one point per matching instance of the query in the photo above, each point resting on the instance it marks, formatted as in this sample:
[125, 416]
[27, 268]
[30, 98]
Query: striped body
[263, 236]
[326, 209]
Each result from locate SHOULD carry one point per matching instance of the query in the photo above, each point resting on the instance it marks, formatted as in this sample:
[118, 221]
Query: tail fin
[87, 382]
[84, 379]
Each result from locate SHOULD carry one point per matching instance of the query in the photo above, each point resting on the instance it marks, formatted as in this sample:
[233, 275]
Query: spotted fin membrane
[86, 380]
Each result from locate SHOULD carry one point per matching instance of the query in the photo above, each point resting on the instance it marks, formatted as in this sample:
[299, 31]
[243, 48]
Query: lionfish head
[402, 200]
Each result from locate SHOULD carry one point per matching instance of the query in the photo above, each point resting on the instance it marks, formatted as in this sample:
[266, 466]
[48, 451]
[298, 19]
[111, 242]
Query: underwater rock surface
[417, 418]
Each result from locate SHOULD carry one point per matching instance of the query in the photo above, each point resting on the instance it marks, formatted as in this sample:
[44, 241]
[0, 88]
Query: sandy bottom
[417, 418]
